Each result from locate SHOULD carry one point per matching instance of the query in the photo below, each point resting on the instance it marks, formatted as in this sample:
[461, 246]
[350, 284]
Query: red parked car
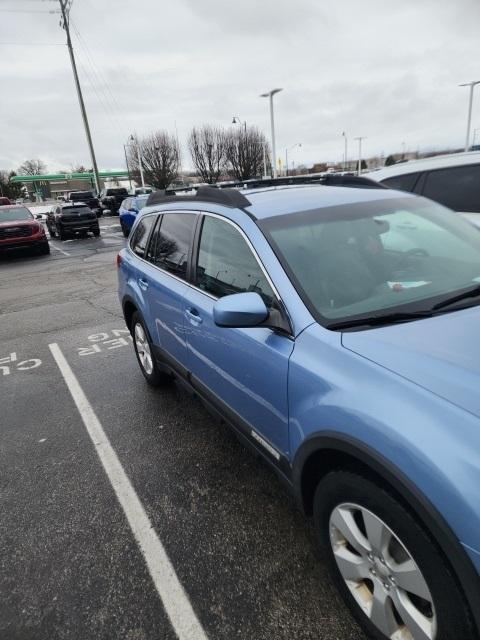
[4, 201]
[20, 230]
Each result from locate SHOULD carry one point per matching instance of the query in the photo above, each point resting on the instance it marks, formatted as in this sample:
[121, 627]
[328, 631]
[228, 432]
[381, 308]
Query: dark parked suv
[88, 198]
[70, 218]
[112, 197]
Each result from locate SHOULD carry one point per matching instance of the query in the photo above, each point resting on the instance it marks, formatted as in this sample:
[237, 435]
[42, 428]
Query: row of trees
[215, 153]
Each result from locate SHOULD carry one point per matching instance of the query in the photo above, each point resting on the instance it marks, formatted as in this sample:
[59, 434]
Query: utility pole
[270, 95]
[470, 102]
[65, 7]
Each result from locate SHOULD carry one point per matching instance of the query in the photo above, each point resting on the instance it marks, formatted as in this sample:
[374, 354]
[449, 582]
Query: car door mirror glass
[240, 310]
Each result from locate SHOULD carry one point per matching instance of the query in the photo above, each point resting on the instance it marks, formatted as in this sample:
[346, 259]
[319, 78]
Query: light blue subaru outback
[337, 331]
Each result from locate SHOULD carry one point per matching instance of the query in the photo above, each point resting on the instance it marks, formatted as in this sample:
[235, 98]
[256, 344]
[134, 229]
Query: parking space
[74, 563]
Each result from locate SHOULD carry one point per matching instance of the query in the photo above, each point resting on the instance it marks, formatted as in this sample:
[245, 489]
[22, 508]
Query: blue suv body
[129, 210]
[336, 331]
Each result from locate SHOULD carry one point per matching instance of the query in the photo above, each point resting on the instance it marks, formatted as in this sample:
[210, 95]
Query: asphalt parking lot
[73, 558]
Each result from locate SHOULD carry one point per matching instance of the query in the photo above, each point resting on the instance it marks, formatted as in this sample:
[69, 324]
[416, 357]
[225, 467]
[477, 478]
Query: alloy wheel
[143, 349]
[381, 574]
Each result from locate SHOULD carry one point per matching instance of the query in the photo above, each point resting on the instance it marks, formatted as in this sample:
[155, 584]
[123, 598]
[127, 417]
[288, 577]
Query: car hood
[441, 354]
[16, 223]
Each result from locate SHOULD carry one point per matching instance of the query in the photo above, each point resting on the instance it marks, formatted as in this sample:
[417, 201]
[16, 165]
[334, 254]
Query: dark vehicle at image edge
[68, 219]
[20, 230]
[111, 198]
[88, 198]
[335, 330]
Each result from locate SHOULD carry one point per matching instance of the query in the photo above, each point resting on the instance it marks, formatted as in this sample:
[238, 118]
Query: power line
[65, 6]
[34, 44]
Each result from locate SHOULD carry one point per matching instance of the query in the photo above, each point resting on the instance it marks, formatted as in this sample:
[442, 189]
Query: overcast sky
[384, 69]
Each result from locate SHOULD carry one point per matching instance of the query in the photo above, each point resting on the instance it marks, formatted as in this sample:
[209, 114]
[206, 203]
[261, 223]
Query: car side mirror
[38, 216]
[240, 310]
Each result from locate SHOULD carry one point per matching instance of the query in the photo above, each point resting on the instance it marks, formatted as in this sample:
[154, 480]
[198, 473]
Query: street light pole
[236, 120]
[470, 102]
[297, 144]
[345, 158]
[128, 167]
[139, 158]
[270, 95]
[359, 138]
[66, 26]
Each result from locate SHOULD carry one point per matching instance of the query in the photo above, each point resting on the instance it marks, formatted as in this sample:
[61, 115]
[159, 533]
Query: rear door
[165, 275]
[241, 371]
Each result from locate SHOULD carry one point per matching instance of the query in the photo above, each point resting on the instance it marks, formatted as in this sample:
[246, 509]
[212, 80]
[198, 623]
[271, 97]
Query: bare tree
[245, 149]
[12, 190]
[160, 156]
[207, 146]
[32, 168]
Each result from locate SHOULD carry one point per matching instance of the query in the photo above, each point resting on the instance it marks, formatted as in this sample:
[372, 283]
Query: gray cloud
[382, 69]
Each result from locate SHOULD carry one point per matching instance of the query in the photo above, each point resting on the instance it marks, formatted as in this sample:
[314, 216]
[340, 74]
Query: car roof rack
[227, 197]
[331, 180]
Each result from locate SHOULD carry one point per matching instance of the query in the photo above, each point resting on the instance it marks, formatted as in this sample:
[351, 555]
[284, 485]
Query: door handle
[143, 284]
[193, 316]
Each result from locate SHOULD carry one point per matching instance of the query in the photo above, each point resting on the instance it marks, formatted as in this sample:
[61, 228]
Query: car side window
[175, 235]
[455, 187]
[226, 264]
[403, 183]
[140, 237]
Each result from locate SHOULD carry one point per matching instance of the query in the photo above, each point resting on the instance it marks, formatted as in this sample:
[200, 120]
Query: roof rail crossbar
[228, 197]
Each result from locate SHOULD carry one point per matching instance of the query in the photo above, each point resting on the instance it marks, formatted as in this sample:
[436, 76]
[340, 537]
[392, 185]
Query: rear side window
[173, 242]
[140, 237]
[226, 263]
[402, 183]
[456, 187]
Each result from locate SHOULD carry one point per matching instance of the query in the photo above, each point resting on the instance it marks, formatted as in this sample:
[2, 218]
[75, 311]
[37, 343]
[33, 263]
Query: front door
[244, 370]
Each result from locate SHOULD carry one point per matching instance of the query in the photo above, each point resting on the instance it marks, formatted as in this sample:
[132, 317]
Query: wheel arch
[328, 451]
[129, 308]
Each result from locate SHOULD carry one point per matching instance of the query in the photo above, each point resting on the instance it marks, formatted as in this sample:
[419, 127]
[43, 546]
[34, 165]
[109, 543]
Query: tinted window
[457, 187]
[140, 238]
[173, 242]
[226, 263]
[403, 183]
[70, 210]
[117, 192]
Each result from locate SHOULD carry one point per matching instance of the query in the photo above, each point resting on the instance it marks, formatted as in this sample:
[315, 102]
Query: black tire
[125, 231]
[62, 234]
[96, 232]
[347, 488]
[44, 249]
[155, 377]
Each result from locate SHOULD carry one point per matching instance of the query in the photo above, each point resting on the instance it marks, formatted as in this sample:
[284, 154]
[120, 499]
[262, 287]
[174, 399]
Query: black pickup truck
[88, 197]
[112, 197]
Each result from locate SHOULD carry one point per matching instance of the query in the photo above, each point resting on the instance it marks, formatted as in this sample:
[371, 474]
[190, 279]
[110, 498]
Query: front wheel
[62, 234]
[96, 232]
[388, 569]
[144, 353]
[125, 231]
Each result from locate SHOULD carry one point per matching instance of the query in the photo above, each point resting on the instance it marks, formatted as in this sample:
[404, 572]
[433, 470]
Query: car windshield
[387, 256]
[117, 192]
[15, 213]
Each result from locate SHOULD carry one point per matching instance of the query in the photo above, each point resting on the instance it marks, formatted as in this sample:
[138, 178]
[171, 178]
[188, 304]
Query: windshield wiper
[376, 321]
[471, 293]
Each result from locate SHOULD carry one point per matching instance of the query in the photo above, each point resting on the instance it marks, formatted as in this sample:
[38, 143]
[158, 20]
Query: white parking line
[65, 253]
[173, 596]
